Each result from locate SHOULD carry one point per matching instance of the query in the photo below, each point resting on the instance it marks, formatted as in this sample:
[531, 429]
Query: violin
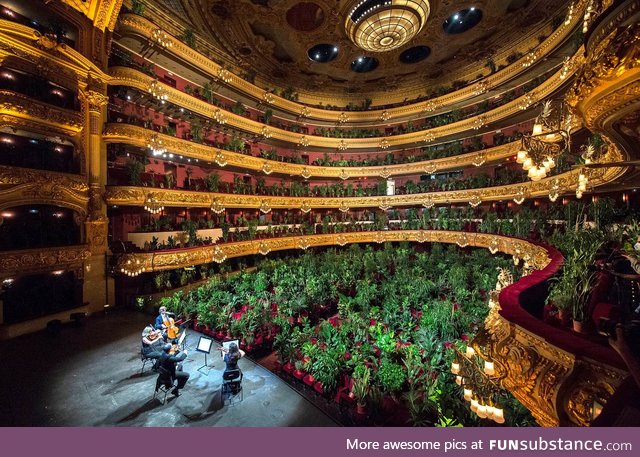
[154, 335]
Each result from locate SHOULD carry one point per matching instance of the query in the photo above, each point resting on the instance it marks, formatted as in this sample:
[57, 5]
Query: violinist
[152, 344]
[166, 324]
[170, 361]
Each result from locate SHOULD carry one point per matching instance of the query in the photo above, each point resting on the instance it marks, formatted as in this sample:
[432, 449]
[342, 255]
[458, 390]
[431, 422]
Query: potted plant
[360, 387]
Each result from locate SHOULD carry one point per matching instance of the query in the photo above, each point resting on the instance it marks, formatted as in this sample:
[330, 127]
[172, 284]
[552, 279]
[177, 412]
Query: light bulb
[498, 415]
[455, 368]
[459, 380]
[481, 411]
[537, 129]
[527, 164]
[489, 368]
[470, 351]
[521, 156]
[468, 393]
[474, 405]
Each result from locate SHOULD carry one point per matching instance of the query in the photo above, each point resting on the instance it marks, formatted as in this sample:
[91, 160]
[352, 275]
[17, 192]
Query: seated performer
[231, 356]
[169, 360]
[166, 324]
[152, 344]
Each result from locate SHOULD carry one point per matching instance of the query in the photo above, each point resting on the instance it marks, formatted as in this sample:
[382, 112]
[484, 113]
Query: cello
[172, 329]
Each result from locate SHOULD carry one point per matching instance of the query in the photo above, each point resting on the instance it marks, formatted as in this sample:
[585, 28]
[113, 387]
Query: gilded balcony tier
[103, 13]
[567, 182]
[26, 43]
[42, 259]
[22, 186]
[131, 24]
[139, 136]
[134, 78]
[179, 258]
[31, 111]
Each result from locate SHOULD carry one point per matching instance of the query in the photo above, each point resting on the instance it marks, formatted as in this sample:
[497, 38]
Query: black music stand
[204, 346]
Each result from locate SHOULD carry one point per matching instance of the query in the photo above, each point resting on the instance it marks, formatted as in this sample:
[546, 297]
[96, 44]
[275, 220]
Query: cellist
[166, 324]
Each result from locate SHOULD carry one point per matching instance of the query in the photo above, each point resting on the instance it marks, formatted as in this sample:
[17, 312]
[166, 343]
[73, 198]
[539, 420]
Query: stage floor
[90, 376]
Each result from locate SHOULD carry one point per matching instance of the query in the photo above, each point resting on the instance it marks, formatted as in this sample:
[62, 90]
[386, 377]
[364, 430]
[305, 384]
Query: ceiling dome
[383, 25]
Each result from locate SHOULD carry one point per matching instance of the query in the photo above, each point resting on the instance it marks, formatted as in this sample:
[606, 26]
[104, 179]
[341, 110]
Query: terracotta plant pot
[579, 327]
[361, 410]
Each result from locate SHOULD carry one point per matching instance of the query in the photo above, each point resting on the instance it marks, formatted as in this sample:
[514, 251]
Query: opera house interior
[363, 212]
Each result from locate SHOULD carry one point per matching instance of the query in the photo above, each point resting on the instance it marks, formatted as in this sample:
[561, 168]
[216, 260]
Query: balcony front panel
[42, 259]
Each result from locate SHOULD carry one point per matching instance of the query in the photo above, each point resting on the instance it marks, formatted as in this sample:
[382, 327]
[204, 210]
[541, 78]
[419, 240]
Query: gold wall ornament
[341, 240]
[305, 208]
[96, 232]
[219, 255]
[385, 116]
[304, 112]
[266, 168]
[343, 208]
[342, 145]
[263, 248]
[384, 144]
[428, 202]
[264, 207]
[379, 237]
[303, 243]
[42, 259]
[305, 173]
[216, 206]
[343, 174]
[343, 118]
[475, 201]
[384, 205]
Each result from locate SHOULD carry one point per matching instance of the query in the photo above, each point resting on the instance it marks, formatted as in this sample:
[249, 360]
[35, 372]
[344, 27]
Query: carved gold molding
[136, 25]
[134, 78]
[19, 106]
[103, 13]
[21, 186]
[558, 387]
[139, 136]
[135, 196]
[167, 260]
[42, 259]
[607, 86]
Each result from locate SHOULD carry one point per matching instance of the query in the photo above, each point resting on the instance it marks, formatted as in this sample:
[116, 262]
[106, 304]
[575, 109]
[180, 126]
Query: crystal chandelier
[158, 91]
[219, 255]
[156, 145]
[264, 207]
[342, 145]
[384, 144]
[343, 118]
[220, 159]
[305, 173]
[132, 267]
[152, 204]
[305, 207]
[304, 141]
[219, 116]
[162, 38]
[263, 248]
[383, 25]
[224, 75]
[216, 206]
[551, 136]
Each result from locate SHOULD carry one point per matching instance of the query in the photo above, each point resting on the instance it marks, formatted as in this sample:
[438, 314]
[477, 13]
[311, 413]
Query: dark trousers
[182, 378]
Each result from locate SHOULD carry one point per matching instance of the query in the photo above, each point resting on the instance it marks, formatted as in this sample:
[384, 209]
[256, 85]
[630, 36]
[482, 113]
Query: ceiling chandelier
[551, 136]
[383, 25]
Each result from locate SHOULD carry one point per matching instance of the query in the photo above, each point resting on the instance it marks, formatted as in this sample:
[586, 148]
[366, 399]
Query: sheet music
[226, 345]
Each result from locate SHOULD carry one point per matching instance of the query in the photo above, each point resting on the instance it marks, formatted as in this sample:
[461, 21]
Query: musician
[169, 360]
[231, 356]
[165, 323]
[152, 344]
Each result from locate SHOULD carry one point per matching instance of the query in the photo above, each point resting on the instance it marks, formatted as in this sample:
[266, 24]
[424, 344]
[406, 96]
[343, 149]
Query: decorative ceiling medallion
[383, 25]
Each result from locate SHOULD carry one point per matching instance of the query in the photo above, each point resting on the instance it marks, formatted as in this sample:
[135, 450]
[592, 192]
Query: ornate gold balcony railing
[32, 112]
[179, 258]
[560, 184]
[131, 24]
[139, 136]
[42, 259]
[21, 186]
[134, 78]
